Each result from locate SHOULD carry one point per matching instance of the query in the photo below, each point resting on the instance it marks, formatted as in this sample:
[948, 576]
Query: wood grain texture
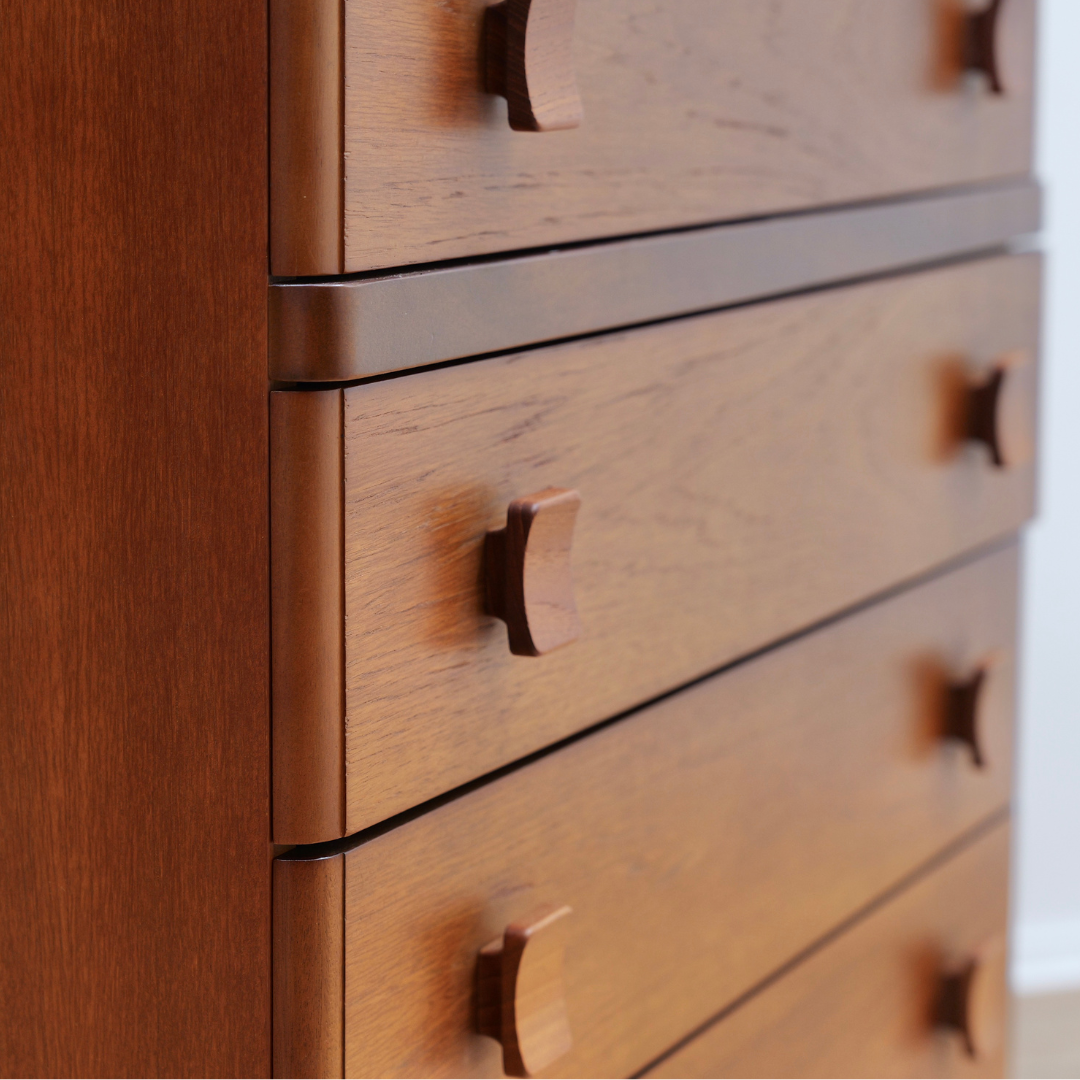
[694, 111]
[309, 956]
[529, 60]
[344, 329]
[527, 576]
[134, 614]
[701, 843]
[742, 475]
[307, 662]
[520, 997]
[862, 1006]
[306, 129]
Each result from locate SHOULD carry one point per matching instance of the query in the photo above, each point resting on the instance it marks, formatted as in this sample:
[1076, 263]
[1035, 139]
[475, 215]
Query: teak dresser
[627, 550]
[646, 463]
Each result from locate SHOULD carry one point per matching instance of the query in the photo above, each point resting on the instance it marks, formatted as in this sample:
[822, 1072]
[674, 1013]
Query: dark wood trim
[343, 330]
[307, 605]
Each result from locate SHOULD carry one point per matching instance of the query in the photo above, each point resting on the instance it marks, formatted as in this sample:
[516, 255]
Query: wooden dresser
[652, 415]
[647, 456]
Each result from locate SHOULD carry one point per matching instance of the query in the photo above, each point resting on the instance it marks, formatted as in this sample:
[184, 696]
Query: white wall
[1047, 870]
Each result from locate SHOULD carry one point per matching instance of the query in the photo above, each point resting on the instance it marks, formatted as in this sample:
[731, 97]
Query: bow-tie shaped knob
[529, 60]
[527, 572]
[972, 1000]
[980, 44]
[519, 991]
[1000, 411]
[962, 714]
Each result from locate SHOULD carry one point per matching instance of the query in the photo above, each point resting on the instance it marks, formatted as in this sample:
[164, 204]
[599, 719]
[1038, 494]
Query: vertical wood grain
[134, 671]
[309, 966]
[306, 129]
[307, 605]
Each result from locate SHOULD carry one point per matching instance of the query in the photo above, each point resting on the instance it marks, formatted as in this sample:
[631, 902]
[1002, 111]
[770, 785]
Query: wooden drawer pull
[527, 572]
[980, 44]
[520, 999]
[972, 1000]
[529, 60]
[962, 714]
[1000, 411]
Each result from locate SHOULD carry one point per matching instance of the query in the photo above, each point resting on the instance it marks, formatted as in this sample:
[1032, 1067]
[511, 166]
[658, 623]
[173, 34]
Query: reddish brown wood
[865, 1004]
[696, 111]
[309, 957]
[135, 889]
[529, 60]
[521, 999]
[306, 128]
[308, 662]
[527, 572]
[701, 842]
[743, 474]
[337, 330]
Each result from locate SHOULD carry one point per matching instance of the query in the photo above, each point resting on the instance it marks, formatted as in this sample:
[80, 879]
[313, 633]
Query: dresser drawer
[741, 476]
[865, 1005]
[386, 150]
[701, 843]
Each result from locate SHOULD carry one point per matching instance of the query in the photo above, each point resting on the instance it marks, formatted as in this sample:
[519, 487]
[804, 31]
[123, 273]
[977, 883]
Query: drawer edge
[307, 606]
[342, 330]
[307, 221]
[309, 966]
[975, 846]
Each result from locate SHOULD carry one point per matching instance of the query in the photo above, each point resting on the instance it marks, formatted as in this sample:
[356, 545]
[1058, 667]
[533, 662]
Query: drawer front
[862, 1006]
[742, 475]
[693, 111]
[701, 843]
